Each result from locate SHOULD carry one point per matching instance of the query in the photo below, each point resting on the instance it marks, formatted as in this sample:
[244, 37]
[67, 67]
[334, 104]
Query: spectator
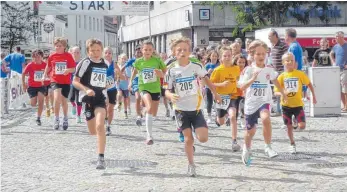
[294, 46]
[235, 49]
[163, 56]
[15, 60]
[321, 56]
[278, 49]
[3, 72]
[304, 56]
[340, 59]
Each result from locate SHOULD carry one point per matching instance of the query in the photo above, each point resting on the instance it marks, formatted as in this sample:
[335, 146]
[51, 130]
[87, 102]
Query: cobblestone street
[41, 159]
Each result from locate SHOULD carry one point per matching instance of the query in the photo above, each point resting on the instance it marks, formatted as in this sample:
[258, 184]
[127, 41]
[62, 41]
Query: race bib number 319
[60, 68]
[186, 86]
[148, 75]
[98, 78]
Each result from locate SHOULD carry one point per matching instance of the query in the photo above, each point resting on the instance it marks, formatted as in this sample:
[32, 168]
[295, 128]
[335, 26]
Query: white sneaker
[292, 149]
[191, 170]
[270, 152]
[242, 123]
[246, 156]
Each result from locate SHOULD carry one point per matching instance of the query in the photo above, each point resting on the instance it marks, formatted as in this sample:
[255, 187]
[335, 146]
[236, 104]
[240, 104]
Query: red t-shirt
[58, 63]
[35, 72]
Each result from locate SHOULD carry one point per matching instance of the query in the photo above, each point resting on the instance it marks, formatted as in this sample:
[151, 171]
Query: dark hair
[18, 49]
[274, 32]
[37, 51]
[291, 32]
[209, 55]
[239, 56]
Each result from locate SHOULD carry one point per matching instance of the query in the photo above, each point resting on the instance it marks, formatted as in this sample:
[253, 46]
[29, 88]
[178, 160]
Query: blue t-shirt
[16, 61]
[3, 74]
[340, 55]
[212, 66]
[129, 64]
[296, 49]
[110, 74]
[123, 84]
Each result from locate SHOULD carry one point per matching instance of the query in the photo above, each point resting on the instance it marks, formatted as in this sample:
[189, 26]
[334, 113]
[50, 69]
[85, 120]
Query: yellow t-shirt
[223, 73]
[293, 82]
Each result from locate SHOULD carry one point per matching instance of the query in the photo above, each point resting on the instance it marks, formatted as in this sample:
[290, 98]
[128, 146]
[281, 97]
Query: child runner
[150, 69]
[112, 88]
[60, 65]
[90, 79]
[164, 57]
[123, 91]
[256, 81]
[212, 63]
[37, 89]
[134, 89]
[73, 95]
[292, 81]
[49, 98]
[187, 100]
[225, 78]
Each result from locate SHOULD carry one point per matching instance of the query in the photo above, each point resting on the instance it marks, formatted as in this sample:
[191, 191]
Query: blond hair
[61, 40]
[288, 54]
[91, 42]
[255, 44]
[120, 58]
[180, 40]
[224, 49]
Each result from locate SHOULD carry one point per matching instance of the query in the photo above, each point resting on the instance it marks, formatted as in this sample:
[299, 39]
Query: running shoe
[139, 122]
[191, 170]
[78, 119]
[56, 124]
[149, 141]
[108, 131]
[292, 149]
[167, 113]
[100, 164]
[73, 111]
[270, 152]
[181, 137]
[246, 156]
[235, 146]
[65, 124]
[38, 122]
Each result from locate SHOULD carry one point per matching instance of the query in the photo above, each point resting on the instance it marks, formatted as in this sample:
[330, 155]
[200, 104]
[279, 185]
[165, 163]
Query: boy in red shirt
[60, 65]
[35, 88]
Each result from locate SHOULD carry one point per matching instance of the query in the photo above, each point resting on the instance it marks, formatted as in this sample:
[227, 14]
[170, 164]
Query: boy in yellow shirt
[292, 81]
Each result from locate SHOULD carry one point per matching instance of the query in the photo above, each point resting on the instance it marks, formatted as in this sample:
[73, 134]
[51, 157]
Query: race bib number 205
[98, 78]
[186, 86]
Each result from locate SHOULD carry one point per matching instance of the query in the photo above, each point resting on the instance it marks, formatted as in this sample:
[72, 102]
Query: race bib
[148, 75]
[225, 102]
[110, 82]
[291, 85]
[186, 86]
[98, 78]
[259, 90]
[60, 68]
[38, 75]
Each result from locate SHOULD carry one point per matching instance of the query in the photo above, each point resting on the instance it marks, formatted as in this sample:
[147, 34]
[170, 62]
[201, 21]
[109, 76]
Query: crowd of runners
[234, 83]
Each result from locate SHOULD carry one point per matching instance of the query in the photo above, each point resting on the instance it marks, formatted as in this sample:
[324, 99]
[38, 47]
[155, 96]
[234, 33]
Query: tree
[17, 21]
[258, 14]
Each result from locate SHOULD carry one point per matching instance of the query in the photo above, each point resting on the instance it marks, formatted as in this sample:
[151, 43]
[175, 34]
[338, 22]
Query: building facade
[204, 24]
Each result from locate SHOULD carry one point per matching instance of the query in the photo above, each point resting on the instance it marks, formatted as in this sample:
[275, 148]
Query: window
[90, 23]
[93, 24]
[151, 5]
[161, 2]
[79, 21]
[97, 25]
[85, 22]
[101, 25]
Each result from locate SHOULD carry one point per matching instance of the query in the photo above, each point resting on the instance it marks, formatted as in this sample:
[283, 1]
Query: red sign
[314, 42]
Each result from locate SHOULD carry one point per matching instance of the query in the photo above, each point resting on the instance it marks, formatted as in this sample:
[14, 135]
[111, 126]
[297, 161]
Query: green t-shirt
[148, 81]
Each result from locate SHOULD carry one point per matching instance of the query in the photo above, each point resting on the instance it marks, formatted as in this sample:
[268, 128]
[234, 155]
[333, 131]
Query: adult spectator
[3, 72]
[340, 51]
[16, 62]
[321, 56]
[278, 49]
[294, 46]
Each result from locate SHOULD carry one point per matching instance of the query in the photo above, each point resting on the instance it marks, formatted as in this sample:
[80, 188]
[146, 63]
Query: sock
[149, 123]
[234, 141]
[101, 155]
[139, 116]
[57, 118]
[79, 109]
[73, 104]
[38, 117]
[66, 118]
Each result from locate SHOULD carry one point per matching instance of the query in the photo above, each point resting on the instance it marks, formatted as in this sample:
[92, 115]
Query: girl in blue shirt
[212, 63]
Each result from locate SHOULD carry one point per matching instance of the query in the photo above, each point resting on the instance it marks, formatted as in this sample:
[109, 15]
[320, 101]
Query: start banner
[17, 97]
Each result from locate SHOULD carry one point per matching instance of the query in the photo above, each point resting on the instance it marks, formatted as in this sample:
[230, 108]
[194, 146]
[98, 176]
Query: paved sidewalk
[41, 159]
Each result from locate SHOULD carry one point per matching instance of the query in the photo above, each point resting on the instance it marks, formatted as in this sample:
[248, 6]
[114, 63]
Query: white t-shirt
[259, 93]
[184, 80]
